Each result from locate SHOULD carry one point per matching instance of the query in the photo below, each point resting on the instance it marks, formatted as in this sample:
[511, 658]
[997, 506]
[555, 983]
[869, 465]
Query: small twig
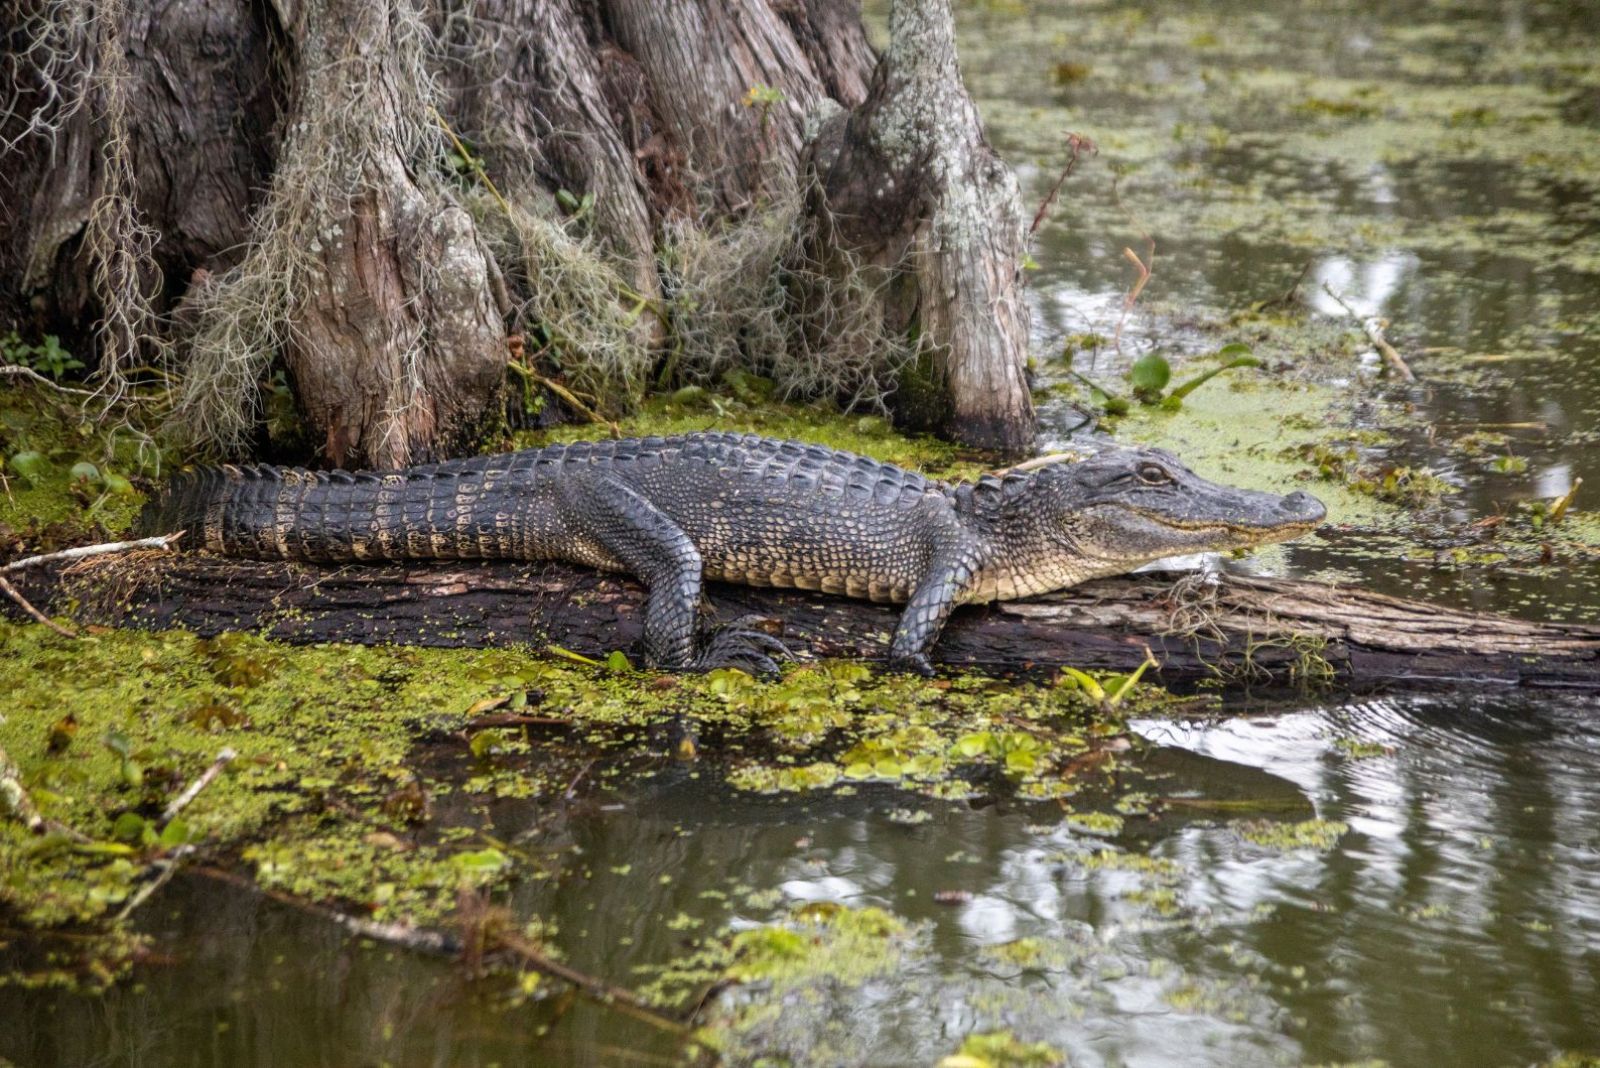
[170, 863]
[27, 606]
[1037, 462]
[182, 801]
[1078, 144]
[470, 160]
[597, 989]
[564, 393]
[1371, 326]
[162, 541]
[79, 553]
[1288, 296]
[169, 867]
[34, 376]
[14, 799]
[572, 787]
[1128, 301]
[1144, 266]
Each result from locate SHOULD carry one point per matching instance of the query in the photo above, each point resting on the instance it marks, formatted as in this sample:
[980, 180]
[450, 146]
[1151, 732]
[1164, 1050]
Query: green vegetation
[46, 356]
[329, 798]
[1318, 835]
[64, 479]
[1001, 1049]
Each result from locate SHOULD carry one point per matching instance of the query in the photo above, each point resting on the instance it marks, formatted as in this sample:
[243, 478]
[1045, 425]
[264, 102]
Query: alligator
[675, 512]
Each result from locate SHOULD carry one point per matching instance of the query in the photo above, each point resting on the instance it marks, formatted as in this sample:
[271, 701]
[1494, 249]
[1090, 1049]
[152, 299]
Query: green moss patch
[66, 480]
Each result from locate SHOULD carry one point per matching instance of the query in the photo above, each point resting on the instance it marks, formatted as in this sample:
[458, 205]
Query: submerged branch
[1374, 331]
[440, 943]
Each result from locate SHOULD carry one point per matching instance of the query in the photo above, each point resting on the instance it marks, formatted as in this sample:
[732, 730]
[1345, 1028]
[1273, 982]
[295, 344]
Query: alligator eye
[1152, 474]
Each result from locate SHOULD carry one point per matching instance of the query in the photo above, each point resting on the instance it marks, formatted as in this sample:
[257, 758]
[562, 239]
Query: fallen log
[1231, 627]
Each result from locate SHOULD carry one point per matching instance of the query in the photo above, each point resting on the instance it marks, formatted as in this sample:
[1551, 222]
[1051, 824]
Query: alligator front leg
[925, 614]
[650, 545]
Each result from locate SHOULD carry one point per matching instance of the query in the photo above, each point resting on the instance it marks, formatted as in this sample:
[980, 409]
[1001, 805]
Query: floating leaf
[176, 833]
[129, 827]
[1150, 374]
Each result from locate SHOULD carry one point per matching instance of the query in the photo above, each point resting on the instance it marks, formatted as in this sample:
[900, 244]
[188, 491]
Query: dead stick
[169, 864]
[81, 552]
[182, 801]
[1078, 145]
[424, 940]
[27, 606]
[34, 376]
[601, 991]
[1369, 326]
[160, 542]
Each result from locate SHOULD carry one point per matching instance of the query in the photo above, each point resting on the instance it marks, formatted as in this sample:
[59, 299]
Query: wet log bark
[1239, 629]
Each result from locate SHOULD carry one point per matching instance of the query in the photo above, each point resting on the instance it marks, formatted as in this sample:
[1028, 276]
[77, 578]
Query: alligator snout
[1301, 507]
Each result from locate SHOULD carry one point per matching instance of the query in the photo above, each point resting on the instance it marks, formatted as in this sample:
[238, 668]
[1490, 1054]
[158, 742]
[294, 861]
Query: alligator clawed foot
[743, 645]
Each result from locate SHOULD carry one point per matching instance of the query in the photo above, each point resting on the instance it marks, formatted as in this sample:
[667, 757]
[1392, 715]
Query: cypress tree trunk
[372, 196]
[908, 184]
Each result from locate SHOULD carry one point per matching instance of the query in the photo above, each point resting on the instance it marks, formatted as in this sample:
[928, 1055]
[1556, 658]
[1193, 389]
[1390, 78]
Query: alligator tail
[282, 513]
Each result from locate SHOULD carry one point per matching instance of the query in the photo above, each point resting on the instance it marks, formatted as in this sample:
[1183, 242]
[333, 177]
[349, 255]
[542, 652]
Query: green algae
[1318, 835]
[1001, 1049]
[812, 955]
[66, 479]
[1255, 432]
[338, 776]
[322, 756]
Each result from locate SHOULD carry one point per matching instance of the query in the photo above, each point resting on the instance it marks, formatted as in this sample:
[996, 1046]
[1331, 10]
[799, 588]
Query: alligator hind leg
[650, 545]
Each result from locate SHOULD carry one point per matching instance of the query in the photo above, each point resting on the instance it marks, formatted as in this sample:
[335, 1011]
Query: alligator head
[1122, 508]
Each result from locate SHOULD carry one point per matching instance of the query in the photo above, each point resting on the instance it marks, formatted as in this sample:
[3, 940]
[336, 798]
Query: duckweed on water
[1318, 835]
[346, 754]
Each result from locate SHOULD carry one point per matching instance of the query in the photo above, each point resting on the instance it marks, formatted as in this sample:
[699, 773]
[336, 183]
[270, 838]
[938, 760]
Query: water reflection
[1456, 922]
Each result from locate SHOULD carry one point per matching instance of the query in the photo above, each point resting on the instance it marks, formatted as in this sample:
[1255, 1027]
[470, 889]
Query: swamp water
[1407, 879]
